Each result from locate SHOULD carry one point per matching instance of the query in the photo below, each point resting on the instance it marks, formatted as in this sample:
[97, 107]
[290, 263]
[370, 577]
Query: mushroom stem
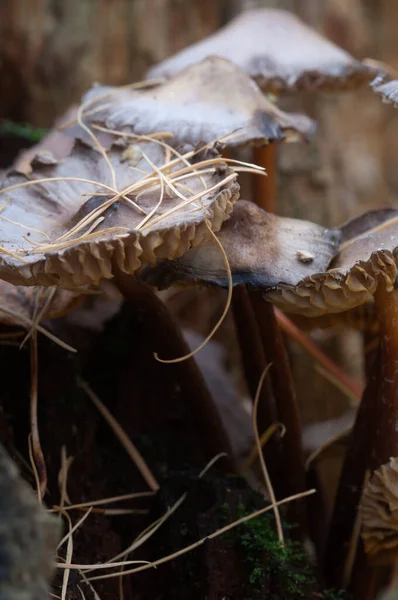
[286, 404]
[167, 340]
[254, 362]
[351, 482]
[264, 188]
[374, 438]
[385, 442]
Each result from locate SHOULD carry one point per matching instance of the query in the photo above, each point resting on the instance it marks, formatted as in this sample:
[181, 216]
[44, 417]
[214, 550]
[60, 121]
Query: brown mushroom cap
[262, 249]
[57, 206]
[366, 257]
[379, 510]
[205, 102]
[278, 50]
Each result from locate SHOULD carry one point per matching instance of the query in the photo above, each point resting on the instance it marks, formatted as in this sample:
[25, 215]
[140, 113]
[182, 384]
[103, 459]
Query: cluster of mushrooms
[143, 191]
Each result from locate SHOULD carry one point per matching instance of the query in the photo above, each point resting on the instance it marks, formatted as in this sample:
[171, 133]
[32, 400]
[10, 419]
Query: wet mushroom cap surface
[207, 101]
[262, 249]
[59, 232]
[367, 257]
[278, 50]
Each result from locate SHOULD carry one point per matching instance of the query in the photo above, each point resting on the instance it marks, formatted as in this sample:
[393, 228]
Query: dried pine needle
[264, 469]
[153, 527]
[24, 321]
[110, 500]
[217, 533]
[122, 437]
[73, 529]
[39, 315]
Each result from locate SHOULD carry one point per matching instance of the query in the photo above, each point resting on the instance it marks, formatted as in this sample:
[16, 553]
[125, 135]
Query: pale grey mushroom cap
[55, 207]
[205, 102]
[278, 50]
[387, 89]
[367, 257]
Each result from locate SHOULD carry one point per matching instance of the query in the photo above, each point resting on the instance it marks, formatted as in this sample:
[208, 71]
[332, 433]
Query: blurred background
[51, 51]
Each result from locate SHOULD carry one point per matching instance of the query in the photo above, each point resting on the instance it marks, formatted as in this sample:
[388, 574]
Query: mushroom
[206, 101]
[387, 88]
[363, 270]
[281, 54]
[379, 510]
[376, 567]
[262, 250]
[101, 214]
[74, 226]
[278, 50]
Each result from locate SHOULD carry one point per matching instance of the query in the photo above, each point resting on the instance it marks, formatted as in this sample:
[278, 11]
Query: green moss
[21, 130]
[273, 567]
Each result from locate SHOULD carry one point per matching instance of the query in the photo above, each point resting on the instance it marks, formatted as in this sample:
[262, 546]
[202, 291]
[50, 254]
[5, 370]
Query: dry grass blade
[122, 437]
[89, 584]
[225, 311]
[69, 554]
[39, 315]
[264, 469]
[101, 566]
[37, 452]
[217, 533]
[151, 529]
[111, 500]
[155, 209]
[25, 322]
[190, 200]
[73, 529]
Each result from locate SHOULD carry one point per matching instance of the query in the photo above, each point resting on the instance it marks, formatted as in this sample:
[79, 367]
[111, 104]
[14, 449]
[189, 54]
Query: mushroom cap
[388, 90]
[55, 207]
[19, 304]
[379, 510]
[205, 102]
[278, 50]
[262, 249]
[366, 257]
